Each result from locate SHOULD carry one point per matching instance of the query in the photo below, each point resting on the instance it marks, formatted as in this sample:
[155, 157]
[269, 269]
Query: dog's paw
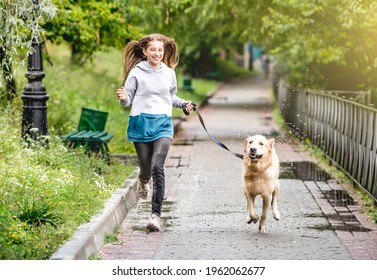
[262, 229]
[276, 216]
[254, 219]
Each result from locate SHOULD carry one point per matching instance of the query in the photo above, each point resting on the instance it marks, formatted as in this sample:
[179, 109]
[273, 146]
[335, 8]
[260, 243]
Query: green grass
[47, 191]
[113, 236]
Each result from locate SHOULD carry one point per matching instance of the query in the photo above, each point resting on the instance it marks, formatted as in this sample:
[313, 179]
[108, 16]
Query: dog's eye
[261, 143]
[251, 142]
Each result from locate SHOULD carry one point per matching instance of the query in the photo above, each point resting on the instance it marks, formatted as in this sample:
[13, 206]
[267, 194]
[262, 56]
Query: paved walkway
[204, 214]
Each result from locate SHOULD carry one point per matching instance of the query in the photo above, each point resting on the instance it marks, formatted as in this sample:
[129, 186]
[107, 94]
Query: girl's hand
[189, 106]
[121, 94]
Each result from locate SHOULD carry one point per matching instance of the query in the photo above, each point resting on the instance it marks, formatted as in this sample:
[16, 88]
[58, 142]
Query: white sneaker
[154, 223]
[142, 189]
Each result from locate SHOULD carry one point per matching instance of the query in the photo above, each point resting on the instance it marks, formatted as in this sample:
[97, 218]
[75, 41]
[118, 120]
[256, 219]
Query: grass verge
[47, 191]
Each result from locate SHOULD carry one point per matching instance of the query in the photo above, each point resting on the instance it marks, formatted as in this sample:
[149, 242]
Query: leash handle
[186, 112]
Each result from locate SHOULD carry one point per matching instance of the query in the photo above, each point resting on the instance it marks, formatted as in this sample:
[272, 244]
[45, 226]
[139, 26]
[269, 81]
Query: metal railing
[344, 129]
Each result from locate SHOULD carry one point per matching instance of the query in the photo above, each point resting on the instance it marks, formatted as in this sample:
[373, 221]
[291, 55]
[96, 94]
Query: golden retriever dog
[260, 177]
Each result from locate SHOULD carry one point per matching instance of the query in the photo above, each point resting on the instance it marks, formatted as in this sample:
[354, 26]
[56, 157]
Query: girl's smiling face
[154, 53]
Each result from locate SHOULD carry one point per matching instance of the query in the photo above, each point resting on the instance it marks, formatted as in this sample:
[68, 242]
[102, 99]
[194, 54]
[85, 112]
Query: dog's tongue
[252, 155]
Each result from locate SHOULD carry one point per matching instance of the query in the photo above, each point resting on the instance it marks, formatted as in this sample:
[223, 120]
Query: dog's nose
[253, 150]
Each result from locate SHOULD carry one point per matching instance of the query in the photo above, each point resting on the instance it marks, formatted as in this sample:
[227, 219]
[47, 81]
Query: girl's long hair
[133, 52]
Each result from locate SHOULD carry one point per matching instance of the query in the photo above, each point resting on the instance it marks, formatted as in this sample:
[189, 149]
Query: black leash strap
[222, 145]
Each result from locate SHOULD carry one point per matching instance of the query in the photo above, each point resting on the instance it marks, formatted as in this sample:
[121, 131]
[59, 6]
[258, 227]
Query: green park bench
[91, 133]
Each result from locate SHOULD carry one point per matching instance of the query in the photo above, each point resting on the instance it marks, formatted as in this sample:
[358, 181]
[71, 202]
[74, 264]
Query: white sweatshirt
[152, 94]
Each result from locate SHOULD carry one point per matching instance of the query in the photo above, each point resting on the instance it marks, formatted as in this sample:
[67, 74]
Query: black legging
[151, 156]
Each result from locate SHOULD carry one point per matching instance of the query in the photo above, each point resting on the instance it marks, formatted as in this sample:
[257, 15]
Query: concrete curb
[90, 237]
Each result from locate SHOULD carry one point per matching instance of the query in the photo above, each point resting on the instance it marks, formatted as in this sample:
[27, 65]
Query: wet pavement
[204, 214]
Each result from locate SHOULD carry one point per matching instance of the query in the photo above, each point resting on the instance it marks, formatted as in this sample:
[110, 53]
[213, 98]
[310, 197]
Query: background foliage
[90, 26]
[326, 44]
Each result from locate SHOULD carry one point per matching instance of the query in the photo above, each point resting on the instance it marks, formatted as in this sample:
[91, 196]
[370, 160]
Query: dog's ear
[245, 144]
[271, 142]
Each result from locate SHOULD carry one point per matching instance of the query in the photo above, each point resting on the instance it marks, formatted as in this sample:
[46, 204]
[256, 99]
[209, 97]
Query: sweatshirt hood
[145, 66]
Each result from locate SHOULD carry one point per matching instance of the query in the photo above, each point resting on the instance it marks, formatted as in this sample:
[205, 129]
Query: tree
[324, 43]
[89, 26]
[328, 43]
[20, 22]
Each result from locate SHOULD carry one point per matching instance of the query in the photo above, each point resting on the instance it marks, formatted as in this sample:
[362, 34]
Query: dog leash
[222, 145]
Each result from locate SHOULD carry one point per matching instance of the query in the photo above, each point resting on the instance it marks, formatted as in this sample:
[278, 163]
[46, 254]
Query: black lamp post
[34, 118]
